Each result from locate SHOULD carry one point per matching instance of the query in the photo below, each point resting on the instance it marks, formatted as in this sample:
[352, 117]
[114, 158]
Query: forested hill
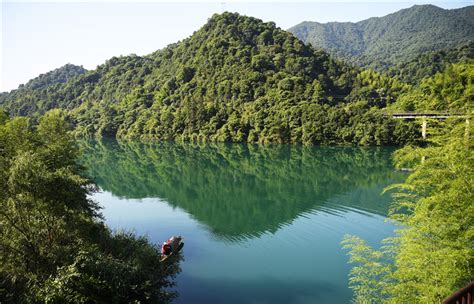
[60, 75]
[383, 42]
[428, 64]
[236, 79]
[30, 97]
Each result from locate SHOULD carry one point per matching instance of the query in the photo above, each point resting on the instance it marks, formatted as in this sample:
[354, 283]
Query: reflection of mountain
[242, 190]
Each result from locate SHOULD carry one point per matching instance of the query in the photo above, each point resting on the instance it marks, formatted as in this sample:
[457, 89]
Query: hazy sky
[38, 37]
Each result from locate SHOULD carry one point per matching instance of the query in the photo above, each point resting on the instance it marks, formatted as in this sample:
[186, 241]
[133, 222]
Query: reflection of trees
[238, 190]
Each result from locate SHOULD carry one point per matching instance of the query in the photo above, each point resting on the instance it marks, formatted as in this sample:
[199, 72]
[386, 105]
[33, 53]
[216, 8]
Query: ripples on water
[262, 224]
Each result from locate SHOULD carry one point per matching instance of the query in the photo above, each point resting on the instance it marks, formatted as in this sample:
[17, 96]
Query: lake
[262, 224]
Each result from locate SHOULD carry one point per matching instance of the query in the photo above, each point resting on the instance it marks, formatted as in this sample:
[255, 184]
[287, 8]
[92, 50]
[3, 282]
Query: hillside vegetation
[383, 42]
[60, 75]
[236, 79]
[40, 93]
[428, 64]
[449, 91]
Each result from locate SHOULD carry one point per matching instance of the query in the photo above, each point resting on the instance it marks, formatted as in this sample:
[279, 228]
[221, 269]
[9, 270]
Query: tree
[53, 245]
[431, 256]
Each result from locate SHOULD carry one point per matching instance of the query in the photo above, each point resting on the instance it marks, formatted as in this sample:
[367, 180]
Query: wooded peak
[381, 42]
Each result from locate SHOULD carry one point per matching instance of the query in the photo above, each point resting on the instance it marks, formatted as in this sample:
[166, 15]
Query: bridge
[427, 115]
[464, 296]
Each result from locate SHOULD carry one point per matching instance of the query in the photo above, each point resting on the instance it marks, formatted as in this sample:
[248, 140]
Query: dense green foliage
[240, 190]
[40, 93]
[236, 79]
[383, 42]
[449, 91]
[432, 255]
[60, 75]
[428, 64]
[54, 247]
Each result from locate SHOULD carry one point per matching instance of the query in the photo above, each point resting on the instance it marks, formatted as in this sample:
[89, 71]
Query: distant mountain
[237, 79]
[386, 41]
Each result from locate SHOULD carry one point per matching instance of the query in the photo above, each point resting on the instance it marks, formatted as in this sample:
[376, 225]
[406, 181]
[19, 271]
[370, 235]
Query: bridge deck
[409, 115]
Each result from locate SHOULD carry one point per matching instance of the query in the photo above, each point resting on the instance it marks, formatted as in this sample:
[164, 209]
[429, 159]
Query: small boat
[176, 244]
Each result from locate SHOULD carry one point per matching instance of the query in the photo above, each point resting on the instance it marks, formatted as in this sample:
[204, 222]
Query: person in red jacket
[170, 245]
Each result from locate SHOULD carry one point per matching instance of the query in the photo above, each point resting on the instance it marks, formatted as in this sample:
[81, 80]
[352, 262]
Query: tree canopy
[451, 90]
[237, 79]
[427, 64]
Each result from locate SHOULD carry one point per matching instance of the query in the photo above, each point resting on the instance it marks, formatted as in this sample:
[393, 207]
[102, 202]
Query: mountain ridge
[381, 42]
[236, 79]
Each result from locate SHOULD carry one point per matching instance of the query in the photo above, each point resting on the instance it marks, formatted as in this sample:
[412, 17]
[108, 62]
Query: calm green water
[261, 224]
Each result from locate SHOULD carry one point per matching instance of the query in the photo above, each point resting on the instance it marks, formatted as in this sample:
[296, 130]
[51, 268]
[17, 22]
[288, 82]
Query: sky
[38, 37]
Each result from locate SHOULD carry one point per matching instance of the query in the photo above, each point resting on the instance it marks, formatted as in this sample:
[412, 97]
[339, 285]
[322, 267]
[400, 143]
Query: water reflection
[244, 191]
